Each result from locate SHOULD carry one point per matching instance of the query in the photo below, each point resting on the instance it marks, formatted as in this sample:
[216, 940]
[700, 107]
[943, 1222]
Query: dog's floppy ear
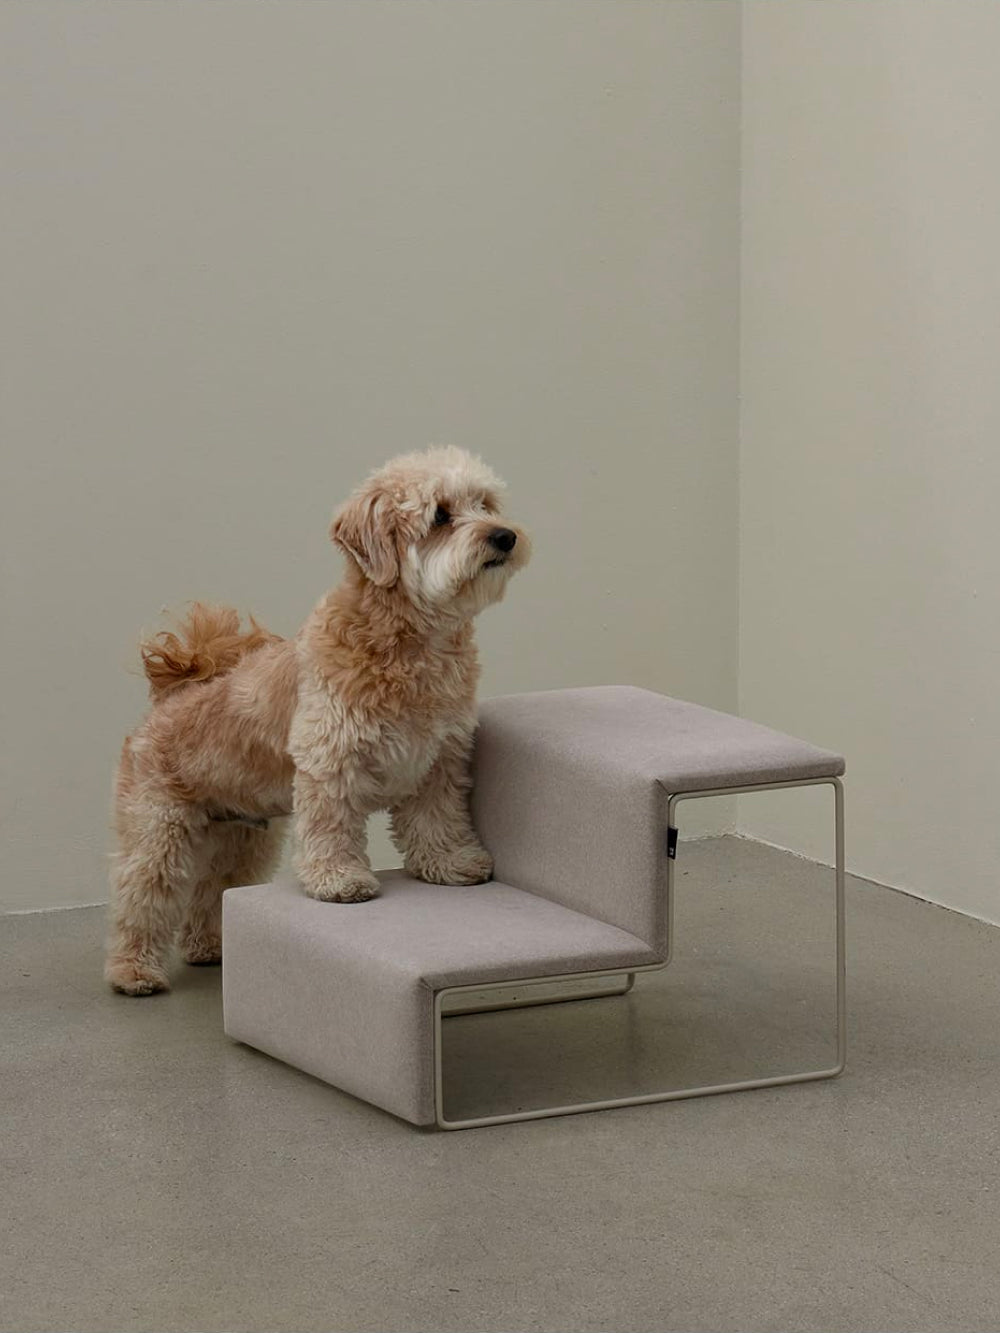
[365, 528]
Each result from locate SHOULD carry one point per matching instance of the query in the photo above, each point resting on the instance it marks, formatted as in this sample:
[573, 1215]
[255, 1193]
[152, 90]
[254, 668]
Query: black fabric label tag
[672, 844]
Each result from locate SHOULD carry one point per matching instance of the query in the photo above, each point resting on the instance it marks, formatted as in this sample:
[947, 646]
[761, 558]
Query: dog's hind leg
[235, 854]
[153, 873]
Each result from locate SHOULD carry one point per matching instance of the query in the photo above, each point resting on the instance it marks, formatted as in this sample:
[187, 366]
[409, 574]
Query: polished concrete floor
[157, 1177]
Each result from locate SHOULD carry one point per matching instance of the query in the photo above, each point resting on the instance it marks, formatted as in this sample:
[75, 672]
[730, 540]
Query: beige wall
[871, 424]
[253, 249]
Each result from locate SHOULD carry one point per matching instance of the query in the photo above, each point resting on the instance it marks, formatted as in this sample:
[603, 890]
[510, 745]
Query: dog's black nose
[503, 539]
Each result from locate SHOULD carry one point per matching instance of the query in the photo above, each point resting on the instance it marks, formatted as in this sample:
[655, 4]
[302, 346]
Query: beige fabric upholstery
[345, 992]
[571, 797]
[571, 790]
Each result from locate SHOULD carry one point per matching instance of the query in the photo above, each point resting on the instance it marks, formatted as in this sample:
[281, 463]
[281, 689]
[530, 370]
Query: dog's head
[429, 526]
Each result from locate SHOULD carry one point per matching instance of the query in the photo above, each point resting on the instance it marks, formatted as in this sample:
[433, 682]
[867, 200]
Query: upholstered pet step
[574, 792]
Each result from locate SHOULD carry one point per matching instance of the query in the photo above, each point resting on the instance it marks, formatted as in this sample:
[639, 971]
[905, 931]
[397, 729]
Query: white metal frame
[521, 1001]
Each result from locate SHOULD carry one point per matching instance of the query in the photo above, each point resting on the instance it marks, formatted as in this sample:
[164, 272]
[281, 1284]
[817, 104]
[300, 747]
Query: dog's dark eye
[441, 516]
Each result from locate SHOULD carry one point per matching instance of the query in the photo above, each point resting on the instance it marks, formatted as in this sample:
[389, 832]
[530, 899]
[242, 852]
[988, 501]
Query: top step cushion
[572, 787]
[682, 746]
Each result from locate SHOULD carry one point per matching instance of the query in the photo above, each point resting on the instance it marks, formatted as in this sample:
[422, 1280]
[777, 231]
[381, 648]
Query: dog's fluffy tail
[209, 642]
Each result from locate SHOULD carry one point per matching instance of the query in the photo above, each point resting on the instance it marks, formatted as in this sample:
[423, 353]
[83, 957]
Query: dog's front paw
[352, 884]
[464, 865]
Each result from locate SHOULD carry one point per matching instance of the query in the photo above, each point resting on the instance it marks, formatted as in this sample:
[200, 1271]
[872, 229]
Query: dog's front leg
[333, 857]
[433, 827]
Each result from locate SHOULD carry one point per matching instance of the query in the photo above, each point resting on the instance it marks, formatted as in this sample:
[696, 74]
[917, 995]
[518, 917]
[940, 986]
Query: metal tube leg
[679, 1094]
[841, 876]
[521, 1001]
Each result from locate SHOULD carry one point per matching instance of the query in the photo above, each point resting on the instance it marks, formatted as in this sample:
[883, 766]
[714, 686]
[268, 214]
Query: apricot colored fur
[371, 706]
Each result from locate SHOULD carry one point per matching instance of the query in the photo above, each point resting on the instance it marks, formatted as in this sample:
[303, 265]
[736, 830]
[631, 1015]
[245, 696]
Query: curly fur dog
[371, 706]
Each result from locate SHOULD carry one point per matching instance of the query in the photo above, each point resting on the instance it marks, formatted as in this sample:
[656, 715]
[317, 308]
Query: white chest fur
[380, 761]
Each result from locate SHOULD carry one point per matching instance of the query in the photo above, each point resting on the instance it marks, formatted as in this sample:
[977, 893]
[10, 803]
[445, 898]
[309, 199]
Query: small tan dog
[371, 706]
